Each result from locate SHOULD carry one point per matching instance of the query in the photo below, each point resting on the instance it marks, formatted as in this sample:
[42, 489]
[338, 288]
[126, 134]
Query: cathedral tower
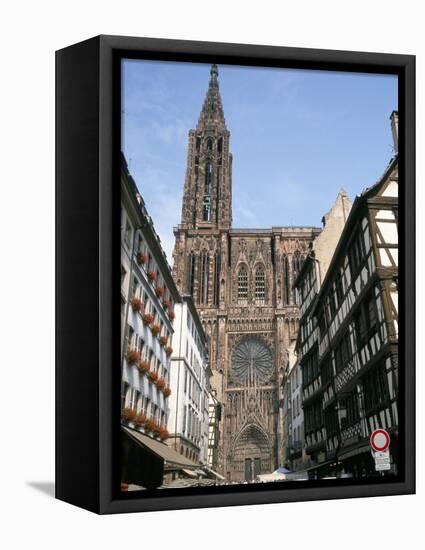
[241, 283]
[207, 200]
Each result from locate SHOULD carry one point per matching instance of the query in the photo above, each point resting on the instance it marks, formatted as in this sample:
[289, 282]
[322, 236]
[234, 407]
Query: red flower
[168, 350]
[128, 414]
[147, 319]
[155, 329]
[163, 433]
[136, 304]
[171, 315]
[153, 376]
[151, 276]
[167, 391]
[159, 291]
[166, 303]
[144, 366]
[161, 383]
[140, 419]
[163, 340]
[133, 356]
[149, 425]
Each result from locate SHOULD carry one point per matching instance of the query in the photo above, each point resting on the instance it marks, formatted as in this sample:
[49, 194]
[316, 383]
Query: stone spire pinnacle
[212, 114]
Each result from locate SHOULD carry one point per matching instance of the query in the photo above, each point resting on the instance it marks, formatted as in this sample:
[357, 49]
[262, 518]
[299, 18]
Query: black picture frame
[87, 165]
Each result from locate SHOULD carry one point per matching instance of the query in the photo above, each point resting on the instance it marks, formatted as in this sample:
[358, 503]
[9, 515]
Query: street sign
[382, 460]
[380, 440]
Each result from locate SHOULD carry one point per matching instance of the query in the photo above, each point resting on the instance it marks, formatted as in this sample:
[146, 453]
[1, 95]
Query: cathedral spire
[212, 115]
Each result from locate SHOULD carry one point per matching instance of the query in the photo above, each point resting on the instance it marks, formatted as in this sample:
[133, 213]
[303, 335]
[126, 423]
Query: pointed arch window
[204, 274]
[191, 273]
[285, 282]
[206, 209]
[217, 268]
[243, 284]
[209, 146]
[260, 284]
[208, 177]
[297, 260]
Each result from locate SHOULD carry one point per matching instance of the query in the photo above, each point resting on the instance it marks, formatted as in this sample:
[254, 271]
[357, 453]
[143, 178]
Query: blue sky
[297, 137]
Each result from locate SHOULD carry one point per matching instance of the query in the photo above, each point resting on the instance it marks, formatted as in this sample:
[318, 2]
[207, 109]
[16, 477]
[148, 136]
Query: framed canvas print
[235, 274]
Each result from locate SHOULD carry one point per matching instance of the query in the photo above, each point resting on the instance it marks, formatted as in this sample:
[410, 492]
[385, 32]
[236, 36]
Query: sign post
[380, 442]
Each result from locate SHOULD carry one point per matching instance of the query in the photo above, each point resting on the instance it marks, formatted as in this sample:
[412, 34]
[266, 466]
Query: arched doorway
[251, 454]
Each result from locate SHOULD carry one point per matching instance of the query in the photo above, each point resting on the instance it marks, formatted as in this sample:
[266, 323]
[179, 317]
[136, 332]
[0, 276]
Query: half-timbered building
[357, 339]
[307, 286]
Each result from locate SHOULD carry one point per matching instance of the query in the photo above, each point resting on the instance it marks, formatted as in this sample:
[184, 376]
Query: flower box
[168, 351]
[147, 319]
[149, 425]
[167, 391]
[129, 415]
[133, 356]
[153, 376]
[140, 419]
[136, 304]
[151, 276]
[142, 258]
[144, 367]
[159, 291]
[163, 433]
[155, 329]
[166, 303]
[161, 383]
[163, 340]
[171, 315]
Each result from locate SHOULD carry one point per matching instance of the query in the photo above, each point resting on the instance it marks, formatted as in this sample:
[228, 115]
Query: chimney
[394, 129]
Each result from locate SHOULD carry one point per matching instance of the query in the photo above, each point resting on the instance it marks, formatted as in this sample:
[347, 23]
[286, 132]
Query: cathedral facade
[241, 282]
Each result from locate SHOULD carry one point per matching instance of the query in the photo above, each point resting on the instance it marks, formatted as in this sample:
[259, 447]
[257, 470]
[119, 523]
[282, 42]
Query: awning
[320, 465]
[190, 473]
[171, 458]
[212, 472]
[354, 452]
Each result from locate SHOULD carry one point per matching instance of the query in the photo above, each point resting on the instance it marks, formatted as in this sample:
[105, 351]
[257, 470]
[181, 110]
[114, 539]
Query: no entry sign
[380, 440]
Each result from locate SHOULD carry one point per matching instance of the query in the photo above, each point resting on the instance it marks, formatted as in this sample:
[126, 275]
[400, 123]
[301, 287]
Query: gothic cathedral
[241, 283]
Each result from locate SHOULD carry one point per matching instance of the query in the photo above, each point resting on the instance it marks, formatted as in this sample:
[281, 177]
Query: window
[123, 274]
[191, 272]
[350, 410]
[356, 253]
[310, 368]
[127, 234]
[259, 284]
[331, 421]
[366, 320]
[297, 260]
[217, 268]
[243, 284]
[203, 283]
[206, 209]
[125, 389]
[375, 387]
[343, 352]
[286, 287]
[208, 176]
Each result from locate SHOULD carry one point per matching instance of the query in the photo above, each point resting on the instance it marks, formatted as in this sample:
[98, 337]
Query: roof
[346, 232]
[139, 208]
[168, 454]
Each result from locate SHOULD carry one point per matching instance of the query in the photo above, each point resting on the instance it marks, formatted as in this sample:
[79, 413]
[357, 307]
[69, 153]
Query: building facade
[307, 286]
[349, 335]
[188, 422]
[241, 284]
[148, 297]
[293, 414]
